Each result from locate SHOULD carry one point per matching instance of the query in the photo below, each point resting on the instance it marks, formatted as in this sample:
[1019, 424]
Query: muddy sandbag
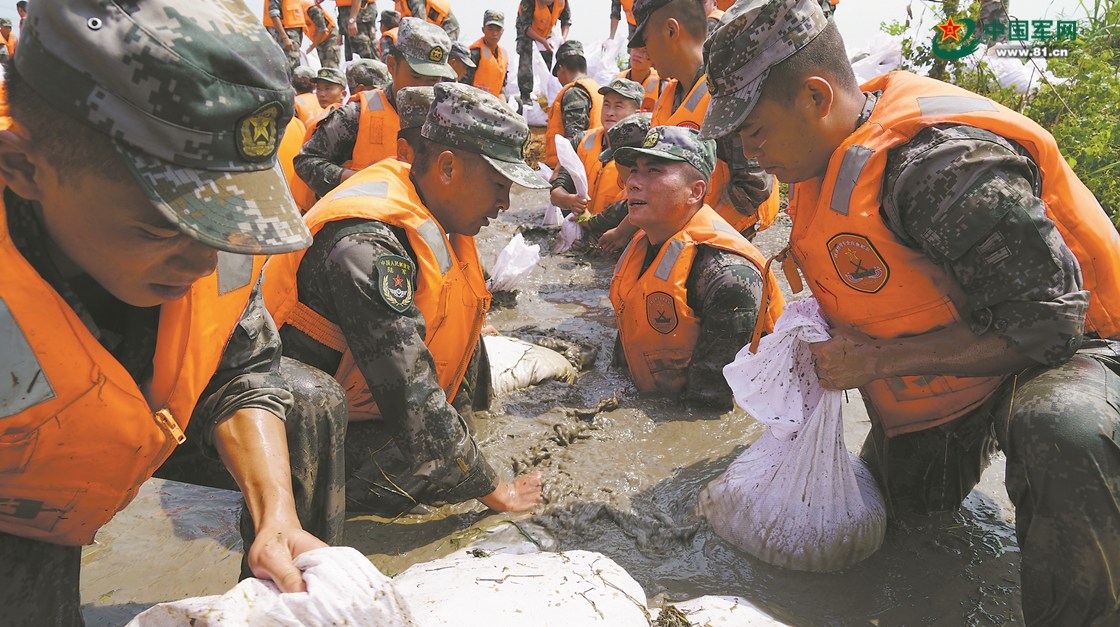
[539, 589]
[796, 498]
[516, 364]
[514, 263]
[712, 611]
[343, 588]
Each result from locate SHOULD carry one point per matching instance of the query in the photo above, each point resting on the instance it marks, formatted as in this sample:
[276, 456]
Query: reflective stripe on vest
[377, 130]
[450, 288]
[311, 29]
[490, 75]
[69, 407]
[544, 17]
[438, 10]
[556, 119]
[291, 14]
[657, 328]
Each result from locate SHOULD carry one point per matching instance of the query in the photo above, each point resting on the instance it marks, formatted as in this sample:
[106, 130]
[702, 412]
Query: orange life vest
[652, 85]
[724, 5]
[10, 42]
[303, 195]
[657, 327]
[716, 14]
[377, 130]
[690, 114]
[544, 17]
[289, 148]
[602, 178]
[307, 107]
[556, 118]
[79, 437]
[490, 75]
[387, 42]
[628, 9]
[866, 279]
[438, 10]
[311, 30]
[291, 14]
[450, 289]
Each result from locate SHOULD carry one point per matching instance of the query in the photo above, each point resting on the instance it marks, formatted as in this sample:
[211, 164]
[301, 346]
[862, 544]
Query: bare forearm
[253, 445]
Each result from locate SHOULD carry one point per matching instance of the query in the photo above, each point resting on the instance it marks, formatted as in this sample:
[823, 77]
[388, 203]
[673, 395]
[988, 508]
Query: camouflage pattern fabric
[492, 16]
[724, 290]
[566, 50]
[525, 48]
[575, 112]
[629, 131]
[328, 50]
[369, 73]
[426, 48]
[753, 36]
[461, 53]
[295, 35]
[626, 88]
[319, 162]
[675, 143]
[642, 10]
[450, 24]
[364, 43]
[335, 280]
[413, 104]
[303, 79]
[331, 75]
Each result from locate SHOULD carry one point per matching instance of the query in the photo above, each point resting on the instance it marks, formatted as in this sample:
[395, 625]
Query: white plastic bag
[343, 588]
[602, 61]
[1013, 72]
[796, 498]
[544, 83]
[514, 263]
[575, 588]
[535, 115]
[883, 54]
[516, 364]
[568, 158]
[570, 233]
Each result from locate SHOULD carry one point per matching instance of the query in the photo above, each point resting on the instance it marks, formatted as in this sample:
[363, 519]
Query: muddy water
[622, 480]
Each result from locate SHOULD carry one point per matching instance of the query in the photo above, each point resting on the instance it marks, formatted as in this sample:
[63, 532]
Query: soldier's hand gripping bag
[796, 498]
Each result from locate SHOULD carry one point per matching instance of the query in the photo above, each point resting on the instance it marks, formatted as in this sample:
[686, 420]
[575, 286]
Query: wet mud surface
[622, 472]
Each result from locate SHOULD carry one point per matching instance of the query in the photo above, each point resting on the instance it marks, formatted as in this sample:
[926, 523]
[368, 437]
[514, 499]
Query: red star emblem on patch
[397, 281]
[950, 30]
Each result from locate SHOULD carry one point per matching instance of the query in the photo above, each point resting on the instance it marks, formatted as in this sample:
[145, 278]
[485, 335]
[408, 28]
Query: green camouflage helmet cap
[460, 51]
[426, 47]
[413, 104]
[368, 72]
[331, 75]
[490, 16]
[626, 88]
[195, 97]
[5, 22]
[629, 131]
[476, 121]
[570, 48]
[752, 37]
[642, 10]
[676, 143]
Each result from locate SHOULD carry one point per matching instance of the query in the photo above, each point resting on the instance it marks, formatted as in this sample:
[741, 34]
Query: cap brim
[427, 68]
[627, 155]
[519, 172]
[502, 24]
[726, 112]
[638, 39]
[245, 211]
[469, 62]
[606, 155]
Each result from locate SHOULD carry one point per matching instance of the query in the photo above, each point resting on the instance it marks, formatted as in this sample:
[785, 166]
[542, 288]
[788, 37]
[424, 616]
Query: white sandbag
[882, 54]
[514, 263]
[722, 611]
[796, 498]
[1013, 72]
[544, 83]
[570, 233]
[569, 589]
[516, 364]
[343, 588]
[535, 115]
[602, 61]
[568, 158]
[552, 215]
[544, 171]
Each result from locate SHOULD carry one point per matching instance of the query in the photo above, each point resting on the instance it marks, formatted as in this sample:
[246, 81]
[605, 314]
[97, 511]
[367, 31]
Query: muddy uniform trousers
[1060, 430]
[364, 44]
[525, 51]
[39, 581]
[295, 35]
[328, 50]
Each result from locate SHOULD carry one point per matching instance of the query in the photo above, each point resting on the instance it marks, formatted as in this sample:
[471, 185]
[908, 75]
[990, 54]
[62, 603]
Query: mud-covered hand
[523, 493]
[273, 550]
[848, 360]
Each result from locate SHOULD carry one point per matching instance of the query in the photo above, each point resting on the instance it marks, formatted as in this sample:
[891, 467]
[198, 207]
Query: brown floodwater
[622, 481]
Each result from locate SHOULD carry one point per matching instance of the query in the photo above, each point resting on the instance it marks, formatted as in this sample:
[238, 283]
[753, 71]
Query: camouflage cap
[642, 10]
[465, 117]
[413, 104]
[195, 97]
[462, 53]
[304, 72]
[626, 88]
[752, 37]
[570, 48]
[5, 22]
[676, 143]
[391, 16]
[490, 16]
[331, 75]
[426, 47]
[629, 131]
[368, 72]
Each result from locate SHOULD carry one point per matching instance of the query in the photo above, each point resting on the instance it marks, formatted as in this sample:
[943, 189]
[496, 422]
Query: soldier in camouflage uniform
[319, 162]
[119, 217]
[366, 74]
[524, 44]
[413, 104]
[966, 200]
[420, 450]
[328, 47]
[575, 102]
[610, 229]
[357, 30]
[462, 62]
[290, 39]
[724, 288]
[419, 8]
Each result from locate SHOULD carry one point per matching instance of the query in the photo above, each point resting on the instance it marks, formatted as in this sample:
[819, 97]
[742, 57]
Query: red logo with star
[950, 30]
[858, 263]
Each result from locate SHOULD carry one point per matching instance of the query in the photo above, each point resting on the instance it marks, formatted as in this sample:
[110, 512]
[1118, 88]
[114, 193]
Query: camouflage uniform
[421, 450]
[362, 44]
[525, 46]
[994, 12]
[328, 50]
[295, 35]
[39, 581]
[949, 193]
[419, 8]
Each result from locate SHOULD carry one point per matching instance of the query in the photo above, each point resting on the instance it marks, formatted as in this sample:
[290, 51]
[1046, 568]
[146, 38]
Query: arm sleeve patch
[396, 281]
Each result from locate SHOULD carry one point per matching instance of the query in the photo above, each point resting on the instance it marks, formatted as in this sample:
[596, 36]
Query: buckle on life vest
[165, 420]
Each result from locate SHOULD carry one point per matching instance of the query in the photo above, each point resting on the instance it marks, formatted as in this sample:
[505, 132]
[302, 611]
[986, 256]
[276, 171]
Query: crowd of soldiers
[224, 268]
